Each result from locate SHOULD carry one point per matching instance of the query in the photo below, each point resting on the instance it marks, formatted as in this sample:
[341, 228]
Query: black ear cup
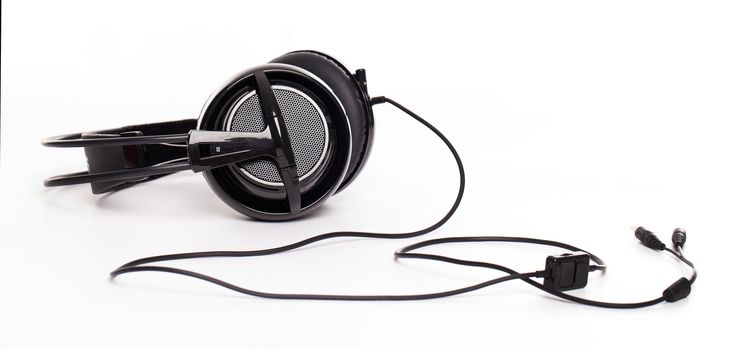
[350, 94]
[318, 130]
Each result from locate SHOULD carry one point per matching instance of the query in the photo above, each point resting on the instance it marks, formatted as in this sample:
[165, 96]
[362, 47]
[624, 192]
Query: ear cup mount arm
[284, 154]
[212, 149]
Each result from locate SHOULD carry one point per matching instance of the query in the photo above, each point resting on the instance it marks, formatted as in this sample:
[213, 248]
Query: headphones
[275, 142]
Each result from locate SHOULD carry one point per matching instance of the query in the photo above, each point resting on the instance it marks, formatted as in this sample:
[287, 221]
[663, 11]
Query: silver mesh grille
[305, 124]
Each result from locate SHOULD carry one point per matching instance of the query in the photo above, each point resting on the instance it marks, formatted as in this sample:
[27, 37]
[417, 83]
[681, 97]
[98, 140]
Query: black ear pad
[353, 98]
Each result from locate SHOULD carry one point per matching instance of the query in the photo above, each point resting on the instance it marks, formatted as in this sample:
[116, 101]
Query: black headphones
[278, 140]
[274, 142]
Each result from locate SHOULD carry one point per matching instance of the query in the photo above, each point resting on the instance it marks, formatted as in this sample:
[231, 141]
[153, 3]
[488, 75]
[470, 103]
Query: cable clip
[567, 271]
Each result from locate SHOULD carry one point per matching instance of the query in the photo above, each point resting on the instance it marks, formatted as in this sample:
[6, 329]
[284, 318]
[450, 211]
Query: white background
[575, 120]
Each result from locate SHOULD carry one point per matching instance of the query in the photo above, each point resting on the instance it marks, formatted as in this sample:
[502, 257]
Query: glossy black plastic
[278, 203]
[567, 271]
[212, 149]
[115, 160]
[109, 160]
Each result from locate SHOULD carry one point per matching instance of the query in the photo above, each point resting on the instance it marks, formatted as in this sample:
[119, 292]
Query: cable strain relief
[593, 268]
[679, 237]
[377, 100]
[649, 239]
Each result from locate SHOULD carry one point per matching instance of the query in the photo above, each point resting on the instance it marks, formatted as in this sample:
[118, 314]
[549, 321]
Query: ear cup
[351, 96]
[317, 126]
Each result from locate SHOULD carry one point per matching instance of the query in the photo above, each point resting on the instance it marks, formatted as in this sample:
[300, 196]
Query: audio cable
[570, 270]
[563, 272]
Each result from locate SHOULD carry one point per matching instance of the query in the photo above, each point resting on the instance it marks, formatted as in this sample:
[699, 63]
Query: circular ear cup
[351, 96]
[318, 129]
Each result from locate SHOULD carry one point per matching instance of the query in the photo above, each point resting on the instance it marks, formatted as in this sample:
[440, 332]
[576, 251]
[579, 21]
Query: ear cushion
[351, 96]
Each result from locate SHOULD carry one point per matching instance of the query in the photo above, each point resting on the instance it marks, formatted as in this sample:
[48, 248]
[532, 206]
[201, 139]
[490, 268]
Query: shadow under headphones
[275, 142]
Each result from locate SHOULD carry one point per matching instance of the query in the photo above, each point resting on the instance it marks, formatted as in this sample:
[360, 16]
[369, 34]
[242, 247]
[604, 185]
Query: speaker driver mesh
[305, 123]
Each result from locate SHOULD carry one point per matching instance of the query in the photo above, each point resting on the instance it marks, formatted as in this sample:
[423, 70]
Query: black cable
[139, 265]
[405, 253]
[330, 296]
[681, 257]
[126, 268]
